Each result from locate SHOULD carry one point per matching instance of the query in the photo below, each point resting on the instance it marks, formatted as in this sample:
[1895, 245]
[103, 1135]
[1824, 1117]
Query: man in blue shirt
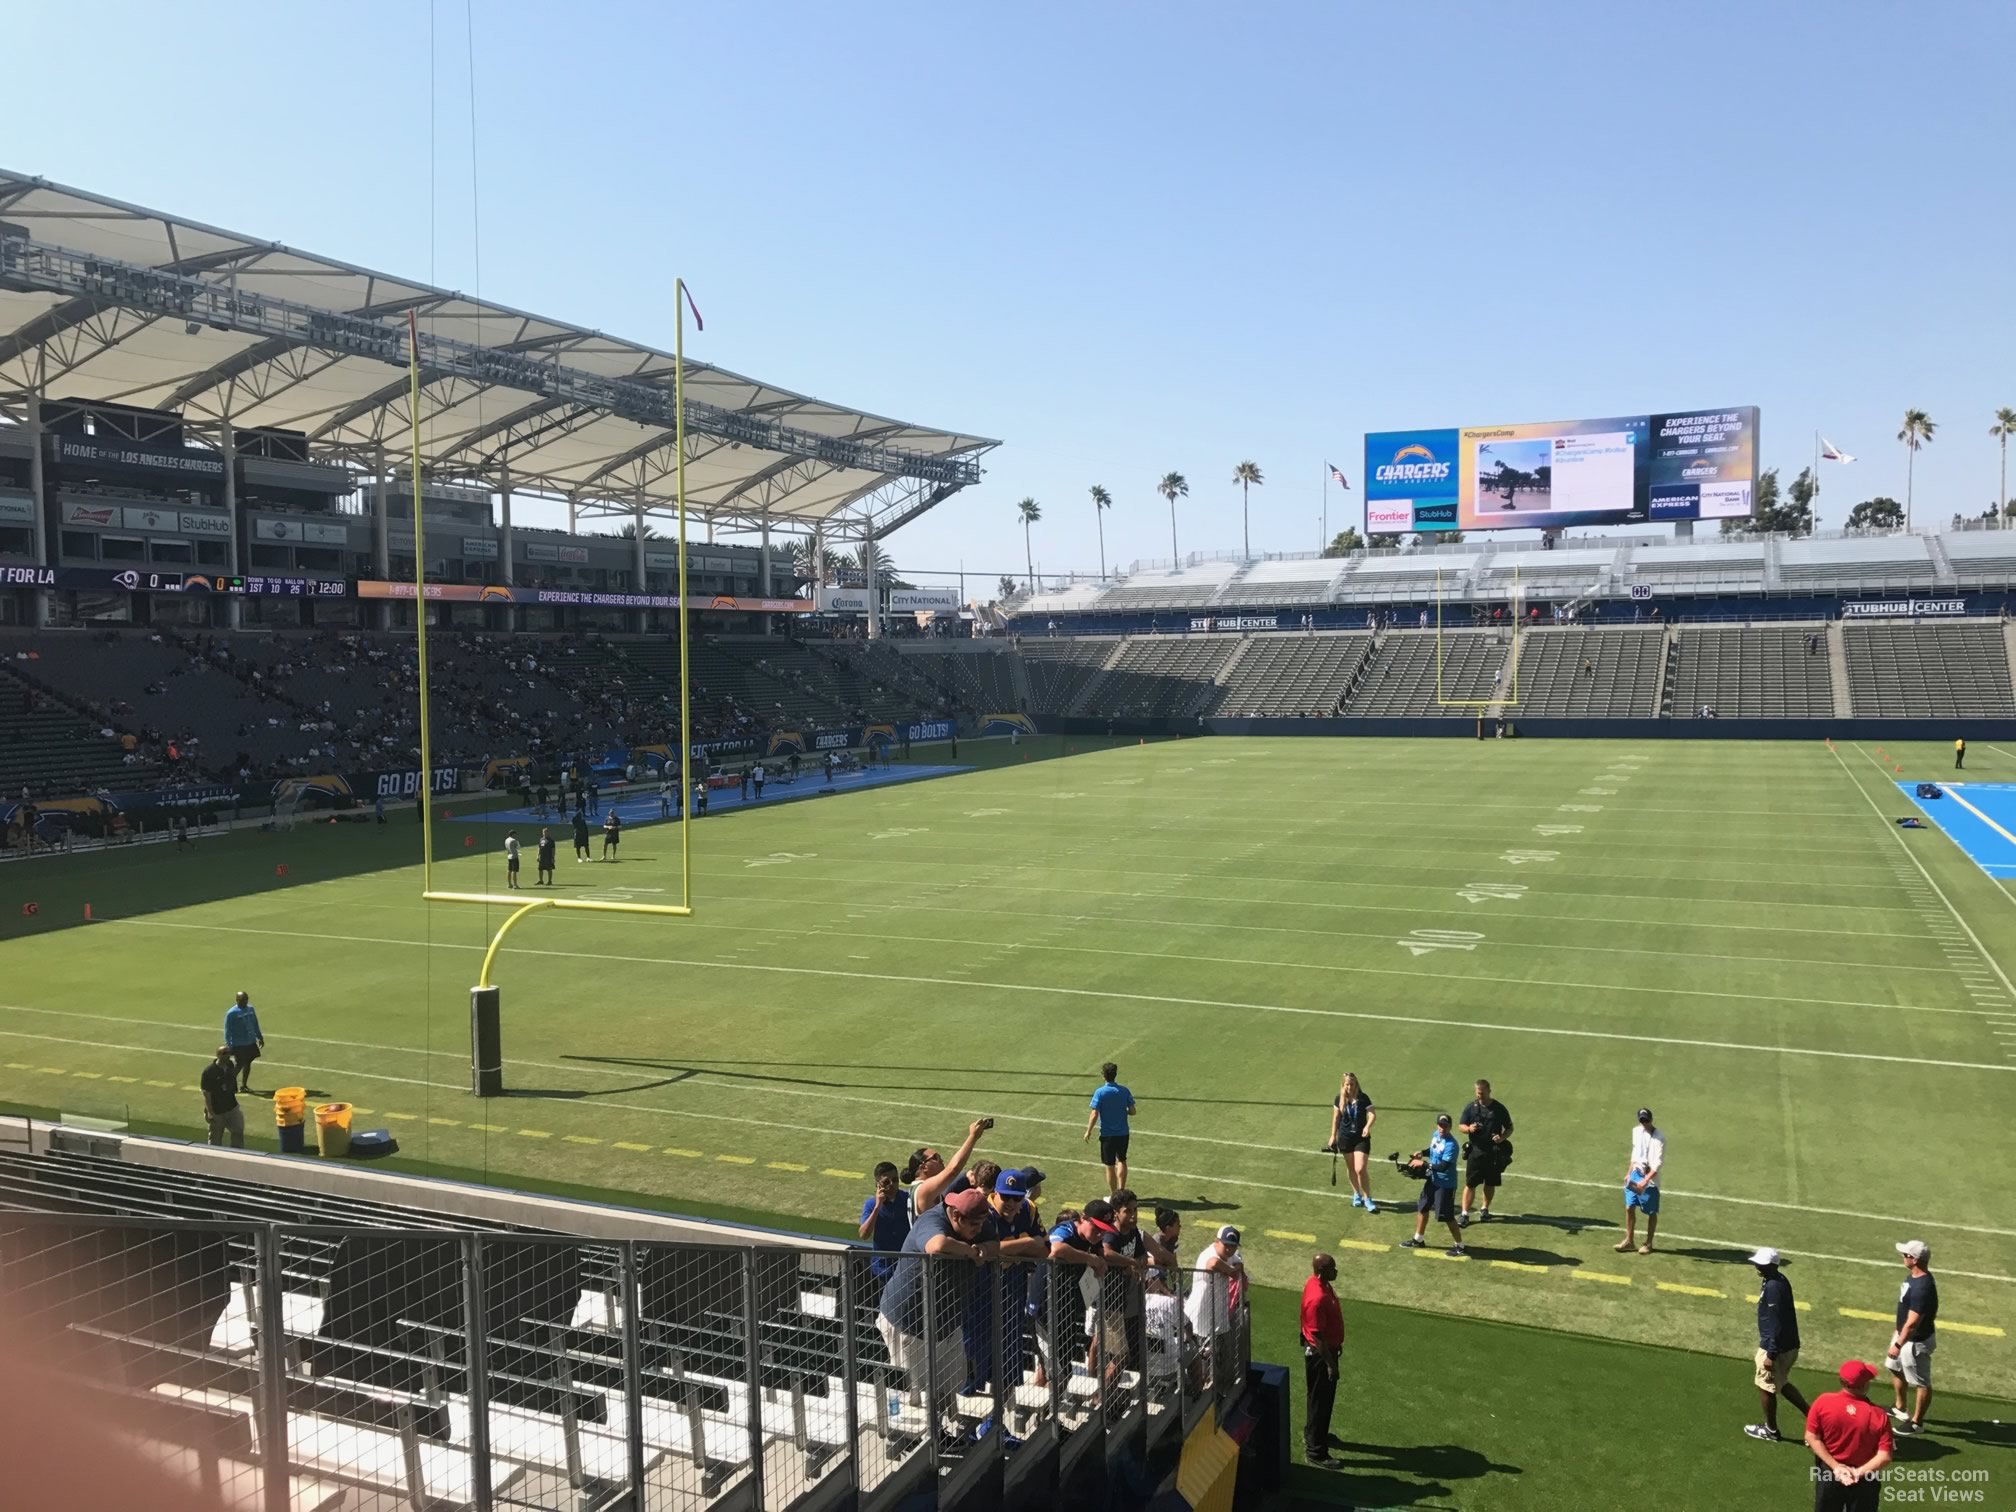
[955, 1237]
[243, 1037]
[1112, 1106]
[1438, 1188]
[1910, 1358]
[1076, 1239]
[1777, 1343]
[1019, 1239]
[885, 1224]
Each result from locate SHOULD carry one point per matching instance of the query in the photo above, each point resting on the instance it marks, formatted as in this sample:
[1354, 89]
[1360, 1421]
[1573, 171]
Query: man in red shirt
[1322, 1345]
[1851, 1443]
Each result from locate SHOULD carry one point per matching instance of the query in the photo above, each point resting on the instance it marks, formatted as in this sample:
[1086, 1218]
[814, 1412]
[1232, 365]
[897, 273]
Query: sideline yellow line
[1589, 1275]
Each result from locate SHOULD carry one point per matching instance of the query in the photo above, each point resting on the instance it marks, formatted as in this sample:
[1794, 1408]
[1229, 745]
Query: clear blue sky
[1128, 239]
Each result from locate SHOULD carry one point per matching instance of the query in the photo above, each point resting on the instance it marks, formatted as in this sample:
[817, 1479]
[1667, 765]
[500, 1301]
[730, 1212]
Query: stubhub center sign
[1409, 477]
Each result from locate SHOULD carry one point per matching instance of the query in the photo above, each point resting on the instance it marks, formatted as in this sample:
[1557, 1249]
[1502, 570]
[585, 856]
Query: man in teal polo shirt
[243, 1037]
[1112, 1106]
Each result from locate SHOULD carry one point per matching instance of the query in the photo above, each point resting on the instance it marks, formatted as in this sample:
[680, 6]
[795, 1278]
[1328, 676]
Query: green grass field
[1817, 1004]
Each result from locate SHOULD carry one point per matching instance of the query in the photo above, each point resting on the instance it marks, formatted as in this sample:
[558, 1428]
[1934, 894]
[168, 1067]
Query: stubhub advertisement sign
[1410, 481]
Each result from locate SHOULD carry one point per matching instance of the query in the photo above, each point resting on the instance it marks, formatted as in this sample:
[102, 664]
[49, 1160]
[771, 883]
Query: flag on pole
[1338, 473]
[1830, 453]
[697, 321]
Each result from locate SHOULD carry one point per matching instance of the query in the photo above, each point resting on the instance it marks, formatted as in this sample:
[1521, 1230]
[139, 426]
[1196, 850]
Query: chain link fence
[277, 1366]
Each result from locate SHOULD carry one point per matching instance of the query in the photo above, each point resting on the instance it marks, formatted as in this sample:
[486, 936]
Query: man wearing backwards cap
[1777, 1343]
[1220, 1275]
[957, 1229]
[1850, 1439]
[1910, 1359]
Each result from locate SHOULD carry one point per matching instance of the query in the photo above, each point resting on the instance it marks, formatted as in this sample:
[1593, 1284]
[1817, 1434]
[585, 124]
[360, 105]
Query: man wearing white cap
[1910, 1359]
[1777, 1343]
[1216, 1283]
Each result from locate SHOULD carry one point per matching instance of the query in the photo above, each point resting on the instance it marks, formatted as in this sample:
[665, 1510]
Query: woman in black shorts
[1351, 1120]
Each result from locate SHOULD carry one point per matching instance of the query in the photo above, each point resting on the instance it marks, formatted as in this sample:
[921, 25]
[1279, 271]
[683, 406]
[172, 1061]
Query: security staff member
[1322, 1348]
[1486, 1126]
[1960, 753]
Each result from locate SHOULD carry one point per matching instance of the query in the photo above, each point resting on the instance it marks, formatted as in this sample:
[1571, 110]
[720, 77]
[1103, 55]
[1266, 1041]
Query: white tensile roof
[225, 357]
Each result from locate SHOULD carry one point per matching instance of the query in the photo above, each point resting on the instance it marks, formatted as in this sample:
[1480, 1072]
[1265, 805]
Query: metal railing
[463, 1368]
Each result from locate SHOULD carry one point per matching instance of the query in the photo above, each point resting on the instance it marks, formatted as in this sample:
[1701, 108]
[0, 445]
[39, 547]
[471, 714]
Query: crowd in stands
[176, 706]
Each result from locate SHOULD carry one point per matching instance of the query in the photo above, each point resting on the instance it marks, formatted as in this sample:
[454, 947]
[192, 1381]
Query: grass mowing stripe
[1049, 1158]
[1663, 925]
[739, 1088]
[1190, 1002]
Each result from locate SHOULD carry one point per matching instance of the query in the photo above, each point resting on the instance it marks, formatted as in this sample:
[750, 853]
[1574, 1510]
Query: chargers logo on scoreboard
[1410, 480]
[1410, 464]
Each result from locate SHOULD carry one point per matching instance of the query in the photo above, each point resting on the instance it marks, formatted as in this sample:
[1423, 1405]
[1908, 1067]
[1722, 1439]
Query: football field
[1817, 1004]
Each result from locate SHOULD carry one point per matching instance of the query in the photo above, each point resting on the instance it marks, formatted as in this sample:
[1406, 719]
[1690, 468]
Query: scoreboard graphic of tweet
[1682, 465]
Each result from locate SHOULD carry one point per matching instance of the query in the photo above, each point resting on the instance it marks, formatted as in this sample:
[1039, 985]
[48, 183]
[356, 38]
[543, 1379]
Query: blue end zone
[640, 805]
[1981, 819]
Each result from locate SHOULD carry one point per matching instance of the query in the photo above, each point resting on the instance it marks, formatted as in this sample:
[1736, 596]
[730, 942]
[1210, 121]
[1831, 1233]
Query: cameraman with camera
[1435, 1169]
[1487, 1128]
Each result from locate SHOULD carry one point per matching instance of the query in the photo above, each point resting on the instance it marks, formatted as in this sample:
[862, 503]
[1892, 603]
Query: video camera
[1414, 1167]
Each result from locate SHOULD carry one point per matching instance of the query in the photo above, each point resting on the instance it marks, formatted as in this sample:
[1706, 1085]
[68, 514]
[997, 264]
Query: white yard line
[1189, 1002]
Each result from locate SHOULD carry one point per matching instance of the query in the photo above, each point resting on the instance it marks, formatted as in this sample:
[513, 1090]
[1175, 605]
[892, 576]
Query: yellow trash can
[332, 1129]
[290, 1113]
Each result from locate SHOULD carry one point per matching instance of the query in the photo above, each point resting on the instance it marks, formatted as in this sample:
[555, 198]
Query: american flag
[1338, 473]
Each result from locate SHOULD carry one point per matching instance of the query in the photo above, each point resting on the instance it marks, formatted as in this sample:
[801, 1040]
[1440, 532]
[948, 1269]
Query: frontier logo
[1412, 464]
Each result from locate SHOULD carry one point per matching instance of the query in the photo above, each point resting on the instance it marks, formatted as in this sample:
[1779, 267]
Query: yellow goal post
[486, 1069]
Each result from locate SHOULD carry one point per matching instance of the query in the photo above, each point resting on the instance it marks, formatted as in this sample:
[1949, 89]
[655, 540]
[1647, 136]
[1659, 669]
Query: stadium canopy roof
[106, 302]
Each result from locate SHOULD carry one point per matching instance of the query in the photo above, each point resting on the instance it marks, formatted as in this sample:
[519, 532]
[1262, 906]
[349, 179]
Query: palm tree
[1917, 432]
[852, 566]
[1028, 512]
[2003, 428]
[1246, 475]
[1173, 486]
[1101, 502]
[629, 532]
